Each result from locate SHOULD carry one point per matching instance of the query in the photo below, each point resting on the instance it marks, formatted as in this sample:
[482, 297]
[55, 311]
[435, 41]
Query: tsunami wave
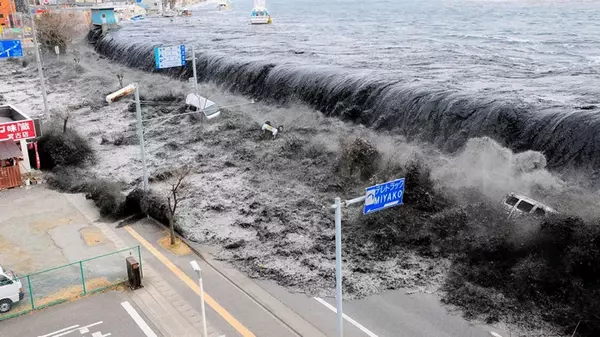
[447, 118]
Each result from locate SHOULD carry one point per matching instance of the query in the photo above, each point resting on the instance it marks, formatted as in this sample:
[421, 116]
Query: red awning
[9, 149]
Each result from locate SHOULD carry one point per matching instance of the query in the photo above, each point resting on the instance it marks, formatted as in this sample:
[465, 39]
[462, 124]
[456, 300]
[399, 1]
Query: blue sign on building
[11, 48]
[168, 57]
[384, 195]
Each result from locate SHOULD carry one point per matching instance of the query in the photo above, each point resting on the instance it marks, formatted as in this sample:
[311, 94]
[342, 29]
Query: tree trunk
[172, 228]
[65, 121]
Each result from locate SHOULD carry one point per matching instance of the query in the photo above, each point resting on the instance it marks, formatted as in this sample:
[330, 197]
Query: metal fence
[67, 282]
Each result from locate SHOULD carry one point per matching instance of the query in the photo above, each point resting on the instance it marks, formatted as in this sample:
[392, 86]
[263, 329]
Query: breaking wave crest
[447, 118]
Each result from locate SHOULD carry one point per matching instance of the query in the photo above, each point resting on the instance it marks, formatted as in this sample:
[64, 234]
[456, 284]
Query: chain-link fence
[64, 283]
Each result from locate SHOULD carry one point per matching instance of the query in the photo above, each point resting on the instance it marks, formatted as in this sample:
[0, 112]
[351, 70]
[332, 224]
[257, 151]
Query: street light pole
[198, 270]
[140, 127]
[133, 87]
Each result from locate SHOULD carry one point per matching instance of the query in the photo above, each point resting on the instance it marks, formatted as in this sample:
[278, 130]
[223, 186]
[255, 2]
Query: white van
[520, 205]
[11, 290]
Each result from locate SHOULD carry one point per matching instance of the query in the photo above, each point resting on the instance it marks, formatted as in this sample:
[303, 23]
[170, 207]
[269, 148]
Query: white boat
[260, 15]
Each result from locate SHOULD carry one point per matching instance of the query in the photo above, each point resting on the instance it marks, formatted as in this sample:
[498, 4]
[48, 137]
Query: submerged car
[517, 204]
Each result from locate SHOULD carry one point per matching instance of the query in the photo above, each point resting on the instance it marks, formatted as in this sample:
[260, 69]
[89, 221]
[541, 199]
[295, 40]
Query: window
[539, 212]
[211, 110]
[524, 206]
[4, 281]
[511, 201]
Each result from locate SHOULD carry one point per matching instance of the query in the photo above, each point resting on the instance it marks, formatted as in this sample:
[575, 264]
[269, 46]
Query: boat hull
[260, 20]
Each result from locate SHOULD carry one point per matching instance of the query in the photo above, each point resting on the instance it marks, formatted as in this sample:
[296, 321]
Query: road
[101, 315]
[259, 321]
[392, 313]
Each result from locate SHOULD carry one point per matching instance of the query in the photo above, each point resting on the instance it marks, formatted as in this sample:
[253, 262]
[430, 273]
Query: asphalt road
[389, 314]
[100, 315]
[392, 313]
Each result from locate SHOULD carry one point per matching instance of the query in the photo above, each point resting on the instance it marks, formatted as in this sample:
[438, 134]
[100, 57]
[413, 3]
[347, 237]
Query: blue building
[104, 16]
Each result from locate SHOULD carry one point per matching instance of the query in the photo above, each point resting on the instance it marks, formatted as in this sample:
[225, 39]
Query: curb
[293, 321]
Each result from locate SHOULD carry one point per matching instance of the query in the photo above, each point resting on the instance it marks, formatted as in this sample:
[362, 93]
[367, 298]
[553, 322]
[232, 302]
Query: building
[15, 129]
[104, 16]
[7, 13]
[21, 6]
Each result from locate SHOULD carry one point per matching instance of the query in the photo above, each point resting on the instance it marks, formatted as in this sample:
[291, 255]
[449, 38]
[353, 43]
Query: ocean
[526, 73]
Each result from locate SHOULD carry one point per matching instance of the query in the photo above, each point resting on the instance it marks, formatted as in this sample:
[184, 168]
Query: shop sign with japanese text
[17, 130]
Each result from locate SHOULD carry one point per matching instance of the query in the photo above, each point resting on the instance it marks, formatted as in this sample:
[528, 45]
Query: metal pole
[140, 127]
[22, 29]
[38, 60]
[202, 300]
[195, 75]
[338, 266]
[82, 278]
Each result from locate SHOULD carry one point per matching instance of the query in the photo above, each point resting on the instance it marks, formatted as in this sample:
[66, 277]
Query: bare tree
[120, 78]
[60, 29]
[64, 116]
[179, 191]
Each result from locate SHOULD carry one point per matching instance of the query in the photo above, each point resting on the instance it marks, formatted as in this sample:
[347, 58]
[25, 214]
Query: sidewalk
[167, 309]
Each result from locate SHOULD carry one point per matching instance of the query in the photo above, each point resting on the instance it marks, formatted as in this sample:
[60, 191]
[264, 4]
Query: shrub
[66, 180]
[64, 149]
[149, 203]
[107, 196]
[359, 159]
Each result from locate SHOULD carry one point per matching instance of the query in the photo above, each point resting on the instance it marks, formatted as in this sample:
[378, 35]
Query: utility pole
[38, 60]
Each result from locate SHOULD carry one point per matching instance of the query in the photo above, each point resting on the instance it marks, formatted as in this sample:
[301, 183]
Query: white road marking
[138, 319]
[66, 331]
[59, 331]
[99, 334]
[495, 334]
[346, 317]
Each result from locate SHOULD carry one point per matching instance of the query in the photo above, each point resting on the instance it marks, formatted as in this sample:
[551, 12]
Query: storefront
[11, 158]
[15, 129]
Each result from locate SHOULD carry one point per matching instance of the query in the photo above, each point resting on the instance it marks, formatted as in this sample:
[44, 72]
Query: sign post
[194, 69]
[376, 198]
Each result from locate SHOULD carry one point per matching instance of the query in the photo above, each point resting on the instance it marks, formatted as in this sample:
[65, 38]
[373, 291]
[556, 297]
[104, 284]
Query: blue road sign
[169, 57]
[10, 48]
[384, 195]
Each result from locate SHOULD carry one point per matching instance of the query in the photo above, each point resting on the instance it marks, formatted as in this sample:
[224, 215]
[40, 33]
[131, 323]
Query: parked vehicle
[520, 205]
[11, 290]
